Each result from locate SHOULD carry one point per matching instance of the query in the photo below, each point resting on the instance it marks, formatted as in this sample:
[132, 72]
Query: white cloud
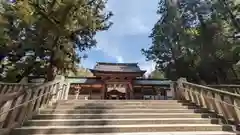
[131, 17]
[120, 59]
[108, 47]
[149, 66]
[136, 26]
[139, 24]
[130, 26]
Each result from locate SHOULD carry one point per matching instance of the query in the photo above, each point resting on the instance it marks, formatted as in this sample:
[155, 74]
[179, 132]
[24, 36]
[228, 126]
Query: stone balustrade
[13, 87]
[225, 104]
[226, 87]
[19, 102]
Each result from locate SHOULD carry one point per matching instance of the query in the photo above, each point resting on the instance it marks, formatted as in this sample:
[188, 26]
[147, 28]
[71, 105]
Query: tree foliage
[47, 37]
[195, 39]
[156, 75]
[80, 72]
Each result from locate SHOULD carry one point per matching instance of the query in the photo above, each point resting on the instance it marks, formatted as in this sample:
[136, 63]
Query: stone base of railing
[221, 117]
[19, 103]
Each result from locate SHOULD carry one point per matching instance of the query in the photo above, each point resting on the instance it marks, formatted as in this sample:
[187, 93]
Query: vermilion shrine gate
[118, 81]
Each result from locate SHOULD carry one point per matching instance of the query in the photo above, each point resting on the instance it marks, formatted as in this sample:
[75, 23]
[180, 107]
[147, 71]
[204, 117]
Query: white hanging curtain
[121, 88]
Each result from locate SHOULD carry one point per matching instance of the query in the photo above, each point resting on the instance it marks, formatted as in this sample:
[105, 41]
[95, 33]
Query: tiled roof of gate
[117, 67]
[83, 80]
[151, 82]
[92, 80]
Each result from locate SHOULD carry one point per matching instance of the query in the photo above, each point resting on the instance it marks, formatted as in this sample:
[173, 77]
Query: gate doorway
[116, 91]
[116, 95]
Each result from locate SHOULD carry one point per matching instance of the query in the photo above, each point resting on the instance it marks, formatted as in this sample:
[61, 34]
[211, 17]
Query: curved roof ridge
[116, 63]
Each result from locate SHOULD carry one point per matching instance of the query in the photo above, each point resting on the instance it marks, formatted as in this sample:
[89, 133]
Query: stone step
[120, 128]
[140, 121]
[146, 110]
[123, 103]
[122, 107]
[161, 133]
[120, 101]
[124, 115]
[158, 102]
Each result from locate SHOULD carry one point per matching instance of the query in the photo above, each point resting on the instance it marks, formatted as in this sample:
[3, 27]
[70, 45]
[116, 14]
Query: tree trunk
[51, 72]
[218, 80]
[234, 73]
[52, 69]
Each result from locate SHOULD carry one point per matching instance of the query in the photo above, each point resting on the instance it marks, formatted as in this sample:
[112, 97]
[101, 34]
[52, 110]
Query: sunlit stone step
[139, 121]
[120, 128]
[121, 102]
[124, 115]
[105, 107]
[131, 110]
[110, 117]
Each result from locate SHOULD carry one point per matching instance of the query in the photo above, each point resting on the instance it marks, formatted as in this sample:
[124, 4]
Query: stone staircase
[125, 117]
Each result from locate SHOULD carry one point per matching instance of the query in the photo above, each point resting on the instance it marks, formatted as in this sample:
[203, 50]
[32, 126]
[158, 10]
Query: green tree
[49, 35]
[157, 75]
[191, 40]
[80, 72]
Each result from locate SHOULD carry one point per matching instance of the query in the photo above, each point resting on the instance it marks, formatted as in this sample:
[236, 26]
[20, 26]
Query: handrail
[14, 95]
[10, 96]
[212, 89]
[17, 83]
[20, 105]
[10, 88]
[233, 88]
[225, 85]
[223, 103]
[26, 102]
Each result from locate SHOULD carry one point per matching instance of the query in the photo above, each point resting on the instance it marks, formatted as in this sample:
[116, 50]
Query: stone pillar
[178, 89]
[65, 86]
[77, 93]
[66, 92]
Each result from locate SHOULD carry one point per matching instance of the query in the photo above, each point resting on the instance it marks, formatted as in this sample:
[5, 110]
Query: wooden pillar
[142, 92]
[172, 90]
[131, 91]
[127, 92]
[91, 93]
[154, 92]
[103, 91]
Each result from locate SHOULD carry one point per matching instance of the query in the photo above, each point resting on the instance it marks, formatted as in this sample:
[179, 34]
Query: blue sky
[133, 21]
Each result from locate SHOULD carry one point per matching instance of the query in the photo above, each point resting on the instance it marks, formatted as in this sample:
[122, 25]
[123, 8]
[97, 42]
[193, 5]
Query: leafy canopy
[48, 37]
[195, 39]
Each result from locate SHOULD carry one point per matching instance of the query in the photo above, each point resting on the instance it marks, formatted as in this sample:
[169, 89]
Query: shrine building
[119, 81]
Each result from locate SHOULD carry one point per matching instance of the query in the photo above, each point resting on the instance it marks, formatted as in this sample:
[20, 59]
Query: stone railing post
[19, 103]
[64, 86]
[224, 103]
[77, 91]
[66, 91]
[179, 91]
